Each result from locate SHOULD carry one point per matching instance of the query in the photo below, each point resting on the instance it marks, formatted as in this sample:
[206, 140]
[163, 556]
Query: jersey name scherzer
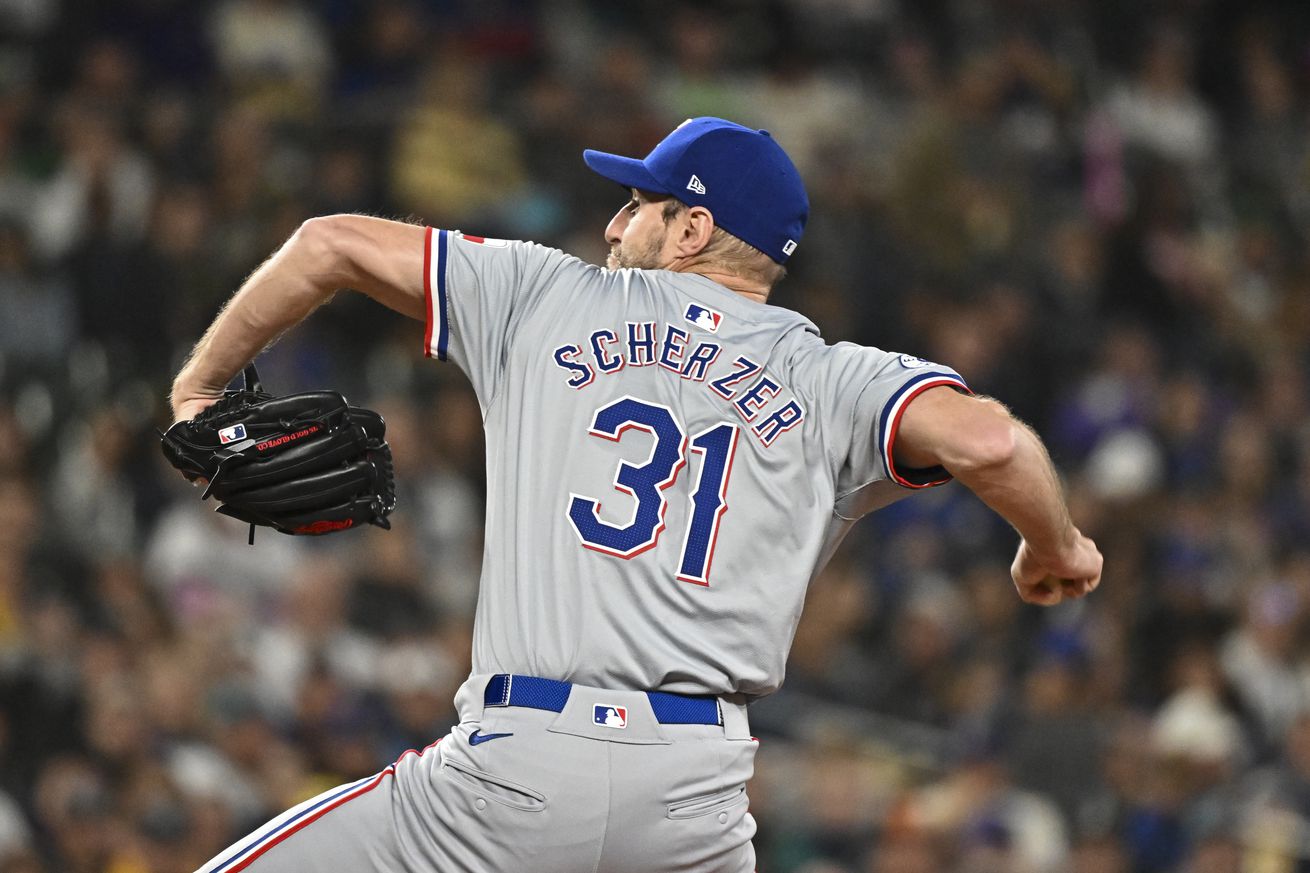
[669, 464]
[650, 343]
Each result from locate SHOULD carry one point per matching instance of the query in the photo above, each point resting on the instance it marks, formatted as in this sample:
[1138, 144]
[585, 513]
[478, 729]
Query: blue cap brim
[628, 172]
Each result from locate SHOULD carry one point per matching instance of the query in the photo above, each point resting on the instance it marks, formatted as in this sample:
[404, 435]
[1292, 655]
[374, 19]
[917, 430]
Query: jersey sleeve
[477, 292]
[867, 391]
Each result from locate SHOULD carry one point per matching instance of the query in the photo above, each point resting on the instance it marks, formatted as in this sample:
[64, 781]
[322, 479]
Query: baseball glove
[303, 464]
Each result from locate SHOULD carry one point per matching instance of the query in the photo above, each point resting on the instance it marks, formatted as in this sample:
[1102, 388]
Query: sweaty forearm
[1023, 487]
[285, 289]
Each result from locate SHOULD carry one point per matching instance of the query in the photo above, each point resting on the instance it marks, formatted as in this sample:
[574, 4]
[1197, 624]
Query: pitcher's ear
[697, 228]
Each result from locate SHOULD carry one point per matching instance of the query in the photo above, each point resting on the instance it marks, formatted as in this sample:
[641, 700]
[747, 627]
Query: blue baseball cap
[742, 176]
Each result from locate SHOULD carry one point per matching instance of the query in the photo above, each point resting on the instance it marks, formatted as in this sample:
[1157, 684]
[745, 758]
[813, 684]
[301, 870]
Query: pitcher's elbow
[319, 238]
[993, 438]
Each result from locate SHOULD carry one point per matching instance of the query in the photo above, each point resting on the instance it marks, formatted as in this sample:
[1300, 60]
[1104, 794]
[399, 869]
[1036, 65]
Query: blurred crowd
[1095, 211]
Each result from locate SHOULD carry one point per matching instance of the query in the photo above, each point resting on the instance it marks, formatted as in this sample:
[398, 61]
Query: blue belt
[505, 689]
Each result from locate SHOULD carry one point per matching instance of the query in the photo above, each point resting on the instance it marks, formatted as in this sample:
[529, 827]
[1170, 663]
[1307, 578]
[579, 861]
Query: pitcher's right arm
[1004, 462]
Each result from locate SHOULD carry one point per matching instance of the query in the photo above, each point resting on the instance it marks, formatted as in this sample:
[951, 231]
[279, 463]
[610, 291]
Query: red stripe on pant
[358, 792]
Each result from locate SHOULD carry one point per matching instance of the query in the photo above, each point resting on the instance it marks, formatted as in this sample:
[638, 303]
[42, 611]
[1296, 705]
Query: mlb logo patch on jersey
[232, 434]
[910, 362]
[607, 715]
[703, 317]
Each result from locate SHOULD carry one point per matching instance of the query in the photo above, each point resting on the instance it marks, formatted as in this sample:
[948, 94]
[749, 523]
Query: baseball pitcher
[670, 461]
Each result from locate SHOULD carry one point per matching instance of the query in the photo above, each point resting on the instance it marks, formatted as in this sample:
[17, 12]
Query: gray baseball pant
[566, 792]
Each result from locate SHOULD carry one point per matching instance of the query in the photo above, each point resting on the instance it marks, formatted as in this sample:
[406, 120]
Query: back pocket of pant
[707, 804]
[493, 787]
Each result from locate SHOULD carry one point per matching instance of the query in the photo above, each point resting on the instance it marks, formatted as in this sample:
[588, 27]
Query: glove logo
[609, 716]
[287, 438]
[232, 434]
[325, 526]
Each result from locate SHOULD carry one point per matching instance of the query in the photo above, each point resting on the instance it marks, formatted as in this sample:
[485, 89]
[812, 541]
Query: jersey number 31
[647, 482]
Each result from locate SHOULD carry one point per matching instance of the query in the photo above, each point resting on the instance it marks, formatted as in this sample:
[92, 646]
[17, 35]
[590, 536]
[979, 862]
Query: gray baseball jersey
[668, 463]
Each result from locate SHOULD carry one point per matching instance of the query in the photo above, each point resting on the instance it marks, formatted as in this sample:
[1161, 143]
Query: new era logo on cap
[703, 317]
[232, 434]
[696, 185]
[607, 715]
[789, 246]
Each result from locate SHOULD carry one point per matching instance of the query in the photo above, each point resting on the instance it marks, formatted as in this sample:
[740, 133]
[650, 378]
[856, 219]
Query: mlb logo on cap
[607, 715]
[703, 317]
[232, 434]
